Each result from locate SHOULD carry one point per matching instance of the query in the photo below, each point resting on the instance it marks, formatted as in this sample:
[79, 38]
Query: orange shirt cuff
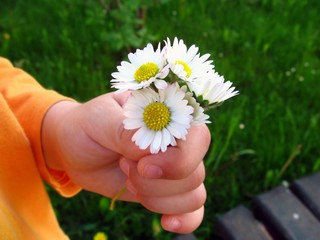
[29, 101]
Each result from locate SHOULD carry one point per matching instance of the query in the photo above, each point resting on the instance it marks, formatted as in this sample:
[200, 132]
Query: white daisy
[187, 63]
[159, 117]
[198, 114]
[145, 66]
[213, 88]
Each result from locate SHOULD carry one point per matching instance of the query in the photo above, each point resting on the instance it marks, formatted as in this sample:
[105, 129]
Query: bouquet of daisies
[171, 89]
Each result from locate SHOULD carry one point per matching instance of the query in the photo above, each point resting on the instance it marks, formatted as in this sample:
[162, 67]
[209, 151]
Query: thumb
[105, 125]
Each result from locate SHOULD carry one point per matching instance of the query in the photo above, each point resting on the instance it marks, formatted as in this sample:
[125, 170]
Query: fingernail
[131, 188]
[152, 171]
[174, 224]
[125, 167]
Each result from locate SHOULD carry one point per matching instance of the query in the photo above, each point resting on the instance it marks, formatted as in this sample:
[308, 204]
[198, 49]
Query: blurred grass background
[270, 49]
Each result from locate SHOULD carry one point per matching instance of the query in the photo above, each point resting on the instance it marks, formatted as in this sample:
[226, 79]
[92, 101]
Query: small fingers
[183, 209]
[176, 204]
[180, 161]
[162, 187]
[183, 223]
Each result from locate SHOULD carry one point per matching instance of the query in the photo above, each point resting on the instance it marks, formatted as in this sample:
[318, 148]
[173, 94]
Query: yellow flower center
[146, 71]
[6, 36]
[156, 116]
[186, 68]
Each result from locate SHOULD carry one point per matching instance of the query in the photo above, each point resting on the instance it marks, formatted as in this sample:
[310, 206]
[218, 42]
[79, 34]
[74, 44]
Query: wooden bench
[283, 213]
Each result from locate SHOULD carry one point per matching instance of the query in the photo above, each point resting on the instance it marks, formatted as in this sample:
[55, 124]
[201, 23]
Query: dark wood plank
[286, 216]
[307, 189]
[240, 224]
[185, 237]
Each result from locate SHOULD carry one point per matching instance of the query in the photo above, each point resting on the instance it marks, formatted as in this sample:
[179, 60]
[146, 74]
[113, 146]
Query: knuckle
[200, 196]
[196, 179]
[201, 173]
[181, 171]
[206, 135]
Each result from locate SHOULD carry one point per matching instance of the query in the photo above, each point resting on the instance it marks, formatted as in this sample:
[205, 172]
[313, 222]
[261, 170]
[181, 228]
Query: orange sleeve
[29, 101]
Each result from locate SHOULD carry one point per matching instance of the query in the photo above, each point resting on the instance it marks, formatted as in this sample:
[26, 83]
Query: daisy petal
[160, 117]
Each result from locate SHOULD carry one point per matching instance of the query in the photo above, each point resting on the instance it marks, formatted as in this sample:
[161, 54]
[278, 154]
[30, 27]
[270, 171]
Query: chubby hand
[89, 143]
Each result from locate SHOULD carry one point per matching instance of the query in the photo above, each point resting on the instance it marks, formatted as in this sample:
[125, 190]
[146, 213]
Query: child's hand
[89, 143]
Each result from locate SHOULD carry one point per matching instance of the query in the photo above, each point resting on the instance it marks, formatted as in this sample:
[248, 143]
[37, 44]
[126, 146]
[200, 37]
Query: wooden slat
[285, 215]
[185, 237]
[308, 191]
[240, 224]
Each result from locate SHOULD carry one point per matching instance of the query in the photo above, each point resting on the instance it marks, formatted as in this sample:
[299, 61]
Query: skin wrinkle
[195, 198]
[155, 187]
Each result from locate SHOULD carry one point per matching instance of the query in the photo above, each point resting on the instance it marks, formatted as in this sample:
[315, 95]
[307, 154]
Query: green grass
[270, 49]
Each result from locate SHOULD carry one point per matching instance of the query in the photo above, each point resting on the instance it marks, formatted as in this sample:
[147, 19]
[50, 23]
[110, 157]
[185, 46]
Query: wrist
[51, 135]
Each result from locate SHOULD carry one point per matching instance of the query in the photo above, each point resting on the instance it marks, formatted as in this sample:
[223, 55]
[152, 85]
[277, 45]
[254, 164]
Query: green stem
[116, 197]
[211, 106]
